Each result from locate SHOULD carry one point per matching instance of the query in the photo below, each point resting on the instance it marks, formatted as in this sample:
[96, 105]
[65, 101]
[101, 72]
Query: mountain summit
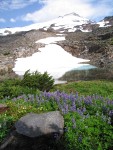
[67, 23]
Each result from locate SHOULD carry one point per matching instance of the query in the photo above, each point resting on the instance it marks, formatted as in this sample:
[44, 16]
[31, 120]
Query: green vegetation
[28, 85]
[87, 107]
[104, 88]
[37, 80]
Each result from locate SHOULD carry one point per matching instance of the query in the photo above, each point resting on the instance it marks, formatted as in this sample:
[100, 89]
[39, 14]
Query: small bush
[36, 80]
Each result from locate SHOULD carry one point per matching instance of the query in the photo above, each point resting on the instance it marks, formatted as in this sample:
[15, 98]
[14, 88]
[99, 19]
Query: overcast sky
[15, 13]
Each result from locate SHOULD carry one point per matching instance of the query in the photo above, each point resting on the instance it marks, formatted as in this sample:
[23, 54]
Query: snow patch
[103, 23]
[51, 58]
[50, 40]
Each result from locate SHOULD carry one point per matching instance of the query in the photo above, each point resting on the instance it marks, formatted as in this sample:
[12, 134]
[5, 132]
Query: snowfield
[51, 58]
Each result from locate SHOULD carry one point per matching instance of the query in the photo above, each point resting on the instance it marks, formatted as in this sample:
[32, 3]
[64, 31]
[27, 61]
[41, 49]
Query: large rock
[35, 125]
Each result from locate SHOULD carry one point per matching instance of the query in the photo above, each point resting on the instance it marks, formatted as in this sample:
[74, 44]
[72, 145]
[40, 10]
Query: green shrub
[36, 80]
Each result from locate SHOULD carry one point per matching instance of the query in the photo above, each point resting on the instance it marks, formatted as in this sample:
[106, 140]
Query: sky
[18, 13]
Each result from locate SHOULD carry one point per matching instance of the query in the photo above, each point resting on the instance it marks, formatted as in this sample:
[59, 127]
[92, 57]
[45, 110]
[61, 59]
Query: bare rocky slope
[19, 45]
[96, 46]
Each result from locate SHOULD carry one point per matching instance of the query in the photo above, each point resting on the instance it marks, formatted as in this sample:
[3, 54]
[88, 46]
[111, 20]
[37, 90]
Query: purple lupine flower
[111, 113]
[79, 111]
[73, 108]
[88, 100]
[96, 96]
[71, 97]
[57, 99]
[74, 123]
[63, 110]
[66, 108]
[48, 94]
[37, 98]
[31, 98]
[83, 109]
[14, 99]
[25, 98]
[109, 102]
[60, 106]
[57, 92]
[64, 97]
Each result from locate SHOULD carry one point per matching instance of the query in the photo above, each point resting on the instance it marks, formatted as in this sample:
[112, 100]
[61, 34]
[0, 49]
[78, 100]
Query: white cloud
[86, 8]
[15, 4]
[12, 20]
[2, 20]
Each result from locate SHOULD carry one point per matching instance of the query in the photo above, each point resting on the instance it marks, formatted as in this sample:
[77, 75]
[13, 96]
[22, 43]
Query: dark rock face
[16, 141]
[35, 125]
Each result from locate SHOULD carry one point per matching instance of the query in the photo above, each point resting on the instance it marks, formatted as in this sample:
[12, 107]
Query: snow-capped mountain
[67, 23]
[106, 22]
[96, 46]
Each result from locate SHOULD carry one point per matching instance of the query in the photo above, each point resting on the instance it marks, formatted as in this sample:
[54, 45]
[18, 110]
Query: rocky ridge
[97, 46]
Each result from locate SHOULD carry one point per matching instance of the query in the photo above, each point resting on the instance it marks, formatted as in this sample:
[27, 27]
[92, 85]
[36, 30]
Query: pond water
[56, 61]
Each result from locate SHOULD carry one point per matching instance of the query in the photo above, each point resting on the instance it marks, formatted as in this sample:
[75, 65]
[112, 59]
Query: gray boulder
[36, 125]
